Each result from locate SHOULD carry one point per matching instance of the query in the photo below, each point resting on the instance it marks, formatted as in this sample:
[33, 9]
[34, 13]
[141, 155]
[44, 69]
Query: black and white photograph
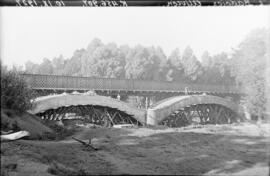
[135, 90]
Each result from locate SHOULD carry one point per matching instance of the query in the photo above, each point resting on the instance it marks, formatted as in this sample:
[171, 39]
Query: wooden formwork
[206, 113]
[99, 115]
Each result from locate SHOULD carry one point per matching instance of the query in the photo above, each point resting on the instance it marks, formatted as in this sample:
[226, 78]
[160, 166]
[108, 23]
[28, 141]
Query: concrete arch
[53, 102]
[164, 108]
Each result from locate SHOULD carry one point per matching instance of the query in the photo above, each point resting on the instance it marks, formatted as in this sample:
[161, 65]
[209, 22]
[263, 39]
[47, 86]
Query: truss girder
[200, 114]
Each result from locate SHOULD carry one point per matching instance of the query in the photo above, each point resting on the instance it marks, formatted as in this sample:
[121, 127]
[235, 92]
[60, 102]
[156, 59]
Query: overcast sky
[36, 33]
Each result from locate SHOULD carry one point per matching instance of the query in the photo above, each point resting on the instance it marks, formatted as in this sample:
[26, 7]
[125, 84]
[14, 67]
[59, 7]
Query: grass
[61, 170]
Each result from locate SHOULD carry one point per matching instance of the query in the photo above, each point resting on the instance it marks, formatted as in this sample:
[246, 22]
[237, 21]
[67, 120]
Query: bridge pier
[151, 117]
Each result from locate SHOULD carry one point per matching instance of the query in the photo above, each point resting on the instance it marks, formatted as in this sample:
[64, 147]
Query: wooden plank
[85, 144]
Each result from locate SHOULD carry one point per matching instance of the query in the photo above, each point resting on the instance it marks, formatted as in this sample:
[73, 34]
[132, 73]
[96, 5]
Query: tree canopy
[249, 67]
[15, 93]
[140, 62]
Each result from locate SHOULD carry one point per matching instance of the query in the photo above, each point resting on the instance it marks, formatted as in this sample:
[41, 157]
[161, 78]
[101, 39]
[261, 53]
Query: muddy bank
[142, 151]
[16, 121]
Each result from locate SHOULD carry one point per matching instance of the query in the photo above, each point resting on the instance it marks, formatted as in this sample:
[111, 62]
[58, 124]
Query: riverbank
[202, 150]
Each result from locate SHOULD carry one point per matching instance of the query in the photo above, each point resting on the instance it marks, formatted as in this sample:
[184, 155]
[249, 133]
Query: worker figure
[118, 97]
[151, 102]
[186, 90]
[140, 105]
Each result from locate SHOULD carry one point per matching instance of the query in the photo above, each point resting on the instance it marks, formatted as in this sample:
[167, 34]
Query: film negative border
[123, 3]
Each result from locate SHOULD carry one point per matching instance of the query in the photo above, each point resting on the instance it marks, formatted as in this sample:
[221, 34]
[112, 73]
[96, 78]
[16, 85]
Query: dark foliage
[14, 91]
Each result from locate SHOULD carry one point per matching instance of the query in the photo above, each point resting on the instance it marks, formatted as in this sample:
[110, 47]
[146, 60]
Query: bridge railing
[36, 81]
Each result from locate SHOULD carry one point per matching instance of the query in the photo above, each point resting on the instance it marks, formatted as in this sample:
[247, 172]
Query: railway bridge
[175, 103]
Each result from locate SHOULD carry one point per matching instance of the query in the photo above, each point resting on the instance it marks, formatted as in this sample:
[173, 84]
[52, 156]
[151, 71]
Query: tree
[88, 58]
[221, 66]
[175, 68]
[159, 59]
[58, 65]
[249, 67]
[31, 67]
[102, 60]
[46, 67]
[144, 63]
[163, 66]
[192, 67]
[115, 62]
[206, 59]
[137, 63]
[14, 91]
[73, 66]
[217, 69]
[124, 49]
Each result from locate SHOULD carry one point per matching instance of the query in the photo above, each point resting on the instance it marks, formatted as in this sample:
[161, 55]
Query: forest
[245, 67]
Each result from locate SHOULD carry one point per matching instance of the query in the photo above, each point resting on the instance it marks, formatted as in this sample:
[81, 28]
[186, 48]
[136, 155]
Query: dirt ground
[241, 149]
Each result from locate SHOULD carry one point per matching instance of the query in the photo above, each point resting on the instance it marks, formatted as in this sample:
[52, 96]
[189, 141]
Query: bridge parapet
[57, 82]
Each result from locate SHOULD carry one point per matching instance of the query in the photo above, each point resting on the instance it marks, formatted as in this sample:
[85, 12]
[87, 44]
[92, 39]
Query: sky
[37, 33]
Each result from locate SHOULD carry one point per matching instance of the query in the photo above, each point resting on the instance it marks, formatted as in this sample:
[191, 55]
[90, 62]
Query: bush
[14, 91]
[60, 132]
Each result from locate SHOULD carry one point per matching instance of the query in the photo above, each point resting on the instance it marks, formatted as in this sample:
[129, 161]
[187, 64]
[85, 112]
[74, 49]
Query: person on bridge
[118, 97]
[186, 90]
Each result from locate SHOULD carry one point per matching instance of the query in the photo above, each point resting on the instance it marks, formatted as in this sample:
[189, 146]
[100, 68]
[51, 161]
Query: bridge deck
[89, 83]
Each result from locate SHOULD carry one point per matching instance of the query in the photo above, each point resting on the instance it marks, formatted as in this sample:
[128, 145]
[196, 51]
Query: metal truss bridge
[181, 104]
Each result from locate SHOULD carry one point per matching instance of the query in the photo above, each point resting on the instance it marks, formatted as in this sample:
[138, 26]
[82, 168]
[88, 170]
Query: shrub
[14, 91]
[60, 132]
